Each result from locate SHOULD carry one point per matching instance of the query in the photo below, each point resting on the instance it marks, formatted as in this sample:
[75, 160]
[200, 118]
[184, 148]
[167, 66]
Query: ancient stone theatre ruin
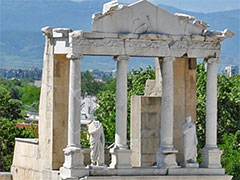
[140, 29]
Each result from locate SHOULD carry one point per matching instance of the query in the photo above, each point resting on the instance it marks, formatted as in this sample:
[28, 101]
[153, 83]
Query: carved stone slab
[142, 17]
[150, 45]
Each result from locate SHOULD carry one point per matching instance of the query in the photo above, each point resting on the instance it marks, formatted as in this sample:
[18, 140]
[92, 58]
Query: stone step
[216, 177]
[5, 176]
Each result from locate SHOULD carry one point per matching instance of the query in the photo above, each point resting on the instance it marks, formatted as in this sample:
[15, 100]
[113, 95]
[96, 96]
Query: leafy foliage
[231, 155]
[228, 104]
[106, 113]
[30, 96]
[21, 90]
[8, 133]
[10, 114]
[90, 85]
[228, 118]
[9, 108]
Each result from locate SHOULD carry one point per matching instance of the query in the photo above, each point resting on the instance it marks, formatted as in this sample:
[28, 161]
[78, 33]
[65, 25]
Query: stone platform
[216, 177]
[5, 176]
[154, 171]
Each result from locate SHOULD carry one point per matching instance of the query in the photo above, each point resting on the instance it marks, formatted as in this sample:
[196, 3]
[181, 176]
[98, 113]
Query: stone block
[20, 173]
[97, 35]
[166, 158]
[150, 159]
[160, 177]
[211, 158]
[120, 158]
[149, 121]
[154, 133]
[148, 145]
[145, 137]
[51, 175]
[196, 171]
[72, 174]
[5, 176]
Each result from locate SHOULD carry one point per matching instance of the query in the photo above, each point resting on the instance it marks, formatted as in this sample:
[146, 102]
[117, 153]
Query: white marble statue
[97, 143]
[189, 143]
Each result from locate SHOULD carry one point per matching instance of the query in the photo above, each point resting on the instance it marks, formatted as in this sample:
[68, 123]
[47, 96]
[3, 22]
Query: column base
[120, 158]
[72, 174]
[211, 157]
[166, 158]
[191, 165]
[73, 167]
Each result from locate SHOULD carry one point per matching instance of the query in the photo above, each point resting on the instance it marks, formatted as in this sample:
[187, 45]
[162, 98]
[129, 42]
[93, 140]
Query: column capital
[167, 58]
[212, 60]
[74, 56]
[121, 58]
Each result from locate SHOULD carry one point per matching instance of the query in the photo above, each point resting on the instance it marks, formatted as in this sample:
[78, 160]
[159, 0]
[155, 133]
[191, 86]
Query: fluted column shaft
[121, 102]
[73, 166]
[74, 111]
[166, 154]
[211, 104]
[120, 154]
[167, 103]
[211, 155]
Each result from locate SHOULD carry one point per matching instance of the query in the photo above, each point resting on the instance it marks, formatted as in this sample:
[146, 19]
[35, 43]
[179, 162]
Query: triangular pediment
[142, 17]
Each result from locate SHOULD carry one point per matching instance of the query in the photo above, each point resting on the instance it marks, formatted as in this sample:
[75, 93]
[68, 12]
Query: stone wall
[54, 111]
[38, 160]
[5, 176]
[184, 99]
[26, 161]
[145, 125]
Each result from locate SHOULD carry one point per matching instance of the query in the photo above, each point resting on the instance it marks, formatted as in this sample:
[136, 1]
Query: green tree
[231, 155]
[228, 104]
[30, 96]
[228, 118]
[10, 114]
[9, 108]
[90, 85]
[13, 86]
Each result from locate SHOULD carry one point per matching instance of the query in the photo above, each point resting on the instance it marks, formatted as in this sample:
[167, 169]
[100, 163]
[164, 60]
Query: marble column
[166, 154]
[120, 152]
[73, 166]
[211, 154]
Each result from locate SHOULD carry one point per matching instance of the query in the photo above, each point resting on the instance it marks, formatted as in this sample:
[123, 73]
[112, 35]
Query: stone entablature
[144, 45]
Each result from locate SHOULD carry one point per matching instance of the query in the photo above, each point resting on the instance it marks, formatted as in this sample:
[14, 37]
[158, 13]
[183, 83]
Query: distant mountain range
[22, 44]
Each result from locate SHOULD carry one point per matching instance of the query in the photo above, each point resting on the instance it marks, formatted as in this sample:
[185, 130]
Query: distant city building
[102, 74]
[32, 117]
[33, 73]
[231, 70]
[87, 108]
[37, 83]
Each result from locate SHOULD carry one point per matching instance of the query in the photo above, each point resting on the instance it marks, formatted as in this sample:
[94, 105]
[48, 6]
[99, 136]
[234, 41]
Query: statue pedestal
[166, 158]
[73, 167]
[120, 158]
[211, 157]
[191, 165]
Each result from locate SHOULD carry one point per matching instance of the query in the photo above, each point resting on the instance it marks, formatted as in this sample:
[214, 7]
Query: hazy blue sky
[196, 5]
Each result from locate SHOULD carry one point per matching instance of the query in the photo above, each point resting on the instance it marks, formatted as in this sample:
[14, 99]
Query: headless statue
[97, 143]
[190, 143]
